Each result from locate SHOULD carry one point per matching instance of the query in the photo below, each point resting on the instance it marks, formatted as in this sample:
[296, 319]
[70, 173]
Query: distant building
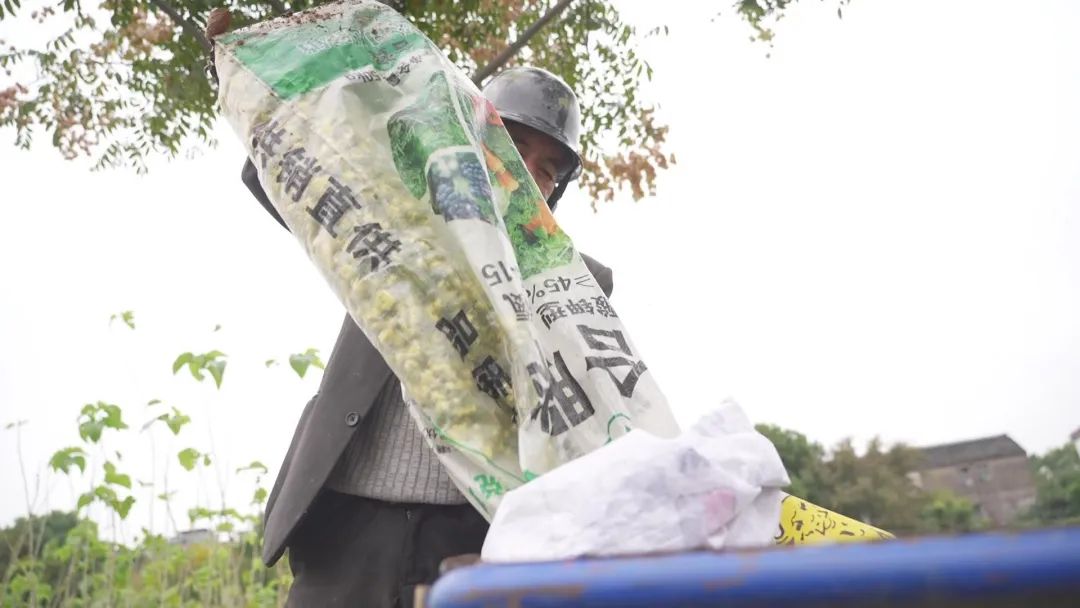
[193, 537]
[993, 473]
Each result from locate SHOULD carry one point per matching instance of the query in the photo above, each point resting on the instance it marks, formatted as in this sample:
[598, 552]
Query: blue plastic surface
[1030, 569]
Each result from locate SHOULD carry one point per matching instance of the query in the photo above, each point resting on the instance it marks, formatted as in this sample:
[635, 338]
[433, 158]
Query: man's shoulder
[601, 273]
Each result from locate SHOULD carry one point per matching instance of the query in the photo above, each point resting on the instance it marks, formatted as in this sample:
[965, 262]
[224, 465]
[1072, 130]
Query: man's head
[542, 115]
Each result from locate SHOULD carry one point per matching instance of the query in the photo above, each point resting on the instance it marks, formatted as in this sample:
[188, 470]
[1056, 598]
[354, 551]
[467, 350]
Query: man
[363, 505]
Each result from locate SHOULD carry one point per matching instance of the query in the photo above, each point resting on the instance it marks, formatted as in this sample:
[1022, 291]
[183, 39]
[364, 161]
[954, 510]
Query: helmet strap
[557, 193]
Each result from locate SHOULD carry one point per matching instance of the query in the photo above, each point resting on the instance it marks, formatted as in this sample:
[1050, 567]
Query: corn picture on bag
[403, 187]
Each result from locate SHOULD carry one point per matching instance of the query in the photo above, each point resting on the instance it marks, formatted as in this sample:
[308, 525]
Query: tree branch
[190, 28]
[521, 41]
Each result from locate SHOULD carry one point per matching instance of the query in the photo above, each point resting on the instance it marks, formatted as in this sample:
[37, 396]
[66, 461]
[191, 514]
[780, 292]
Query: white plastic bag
[715, 486]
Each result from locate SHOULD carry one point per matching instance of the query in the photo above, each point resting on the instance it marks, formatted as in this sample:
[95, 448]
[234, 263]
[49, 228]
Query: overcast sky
[871, 233]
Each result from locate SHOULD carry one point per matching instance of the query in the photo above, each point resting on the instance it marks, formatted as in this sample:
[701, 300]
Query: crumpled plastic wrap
[717, 485]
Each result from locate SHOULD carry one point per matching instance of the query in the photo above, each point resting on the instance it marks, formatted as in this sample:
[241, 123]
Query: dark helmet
[539, 99]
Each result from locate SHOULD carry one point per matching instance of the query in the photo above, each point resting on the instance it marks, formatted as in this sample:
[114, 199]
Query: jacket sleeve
[601, 273]
[250, 177]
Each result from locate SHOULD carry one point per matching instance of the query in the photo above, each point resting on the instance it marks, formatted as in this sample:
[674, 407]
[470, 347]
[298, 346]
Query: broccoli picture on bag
[539, 244]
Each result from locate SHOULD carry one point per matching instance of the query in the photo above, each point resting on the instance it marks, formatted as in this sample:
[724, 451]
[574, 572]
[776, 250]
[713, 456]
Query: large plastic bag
[404, 188]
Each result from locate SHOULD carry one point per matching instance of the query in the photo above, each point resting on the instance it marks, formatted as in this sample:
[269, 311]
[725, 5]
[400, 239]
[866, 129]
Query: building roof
[193, 536]
[975, 450]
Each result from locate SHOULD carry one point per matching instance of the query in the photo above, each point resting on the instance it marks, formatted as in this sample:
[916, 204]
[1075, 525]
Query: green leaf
[217, 327]
[12, 425]
[91, 431]
[206, 460]
[114, 478]
[113, 416]
[313, 356]
[299, 364]
[85, 499]
[260, 496]
[63, 460]
[271, 362]
[153, 402]
[123, 507]
[181, 361]
[217, 370]
[177, 421]
[195, 366]
[165, 496]
[188, 457]
[105, 494]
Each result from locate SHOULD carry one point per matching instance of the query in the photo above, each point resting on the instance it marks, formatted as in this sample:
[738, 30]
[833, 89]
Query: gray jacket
[354, 378]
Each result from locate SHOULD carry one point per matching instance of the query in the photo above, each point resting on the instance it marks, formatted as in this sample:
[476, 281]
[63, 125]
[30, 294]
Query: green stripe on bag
[297, 59]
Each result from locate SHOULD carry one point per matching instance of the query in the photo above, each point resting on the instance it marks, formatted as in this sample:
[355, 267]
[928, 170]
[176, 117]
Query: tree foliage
[45, 532]
[1057, 475]
[124, 80]
[872, 486]
[763, 15]
[63, 559]
[947, 513]
[804, 461]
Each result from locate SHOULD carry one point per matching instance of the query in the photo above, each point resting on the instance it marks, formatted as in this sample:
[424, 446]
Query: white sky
[866, 234]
